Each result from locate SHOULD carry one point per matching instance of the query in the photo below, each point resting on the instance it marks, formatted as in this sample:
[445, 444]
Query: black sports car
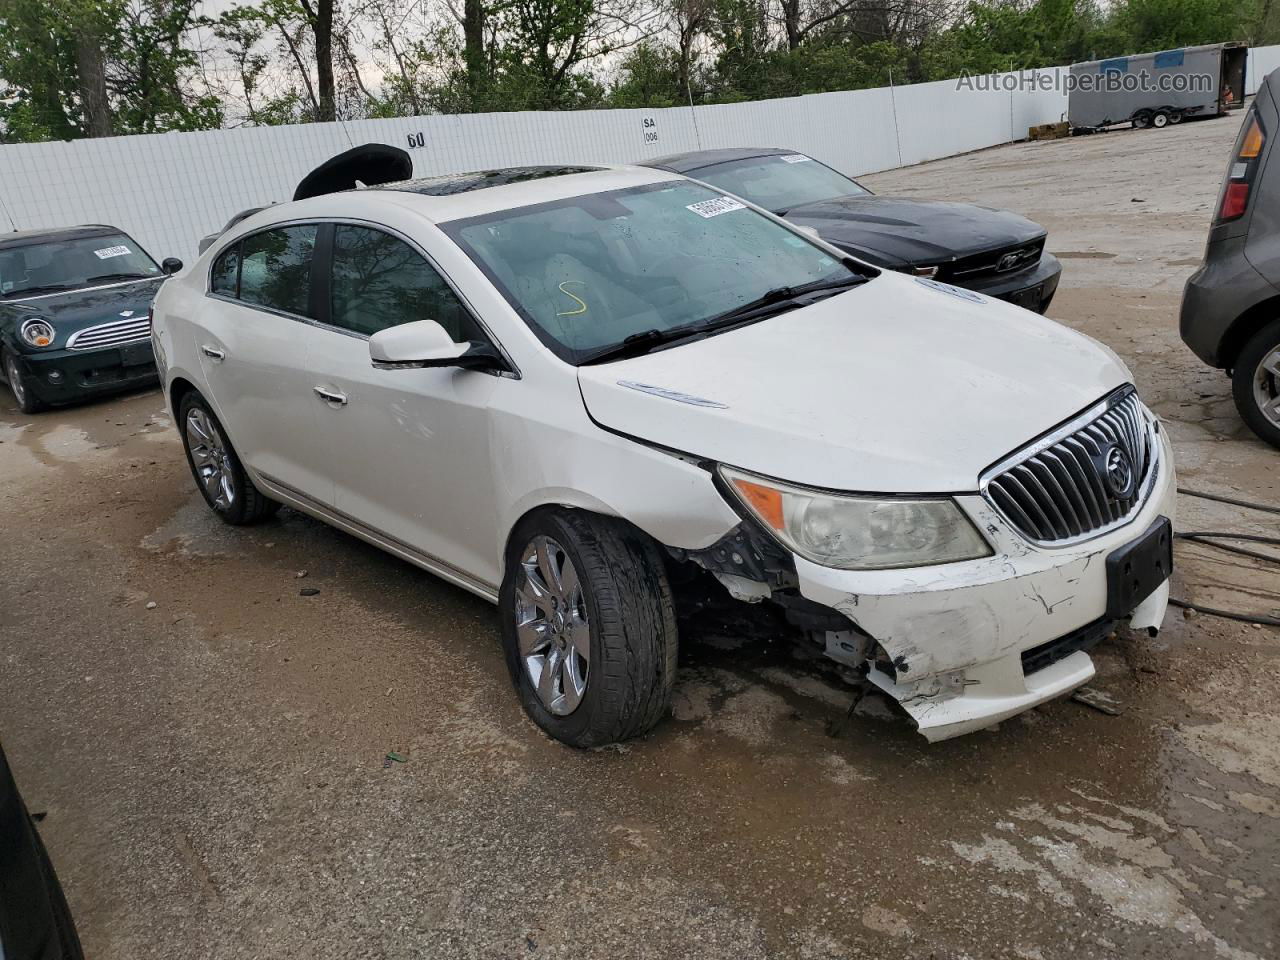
[991, 251]
[35, 923]
[75, 313]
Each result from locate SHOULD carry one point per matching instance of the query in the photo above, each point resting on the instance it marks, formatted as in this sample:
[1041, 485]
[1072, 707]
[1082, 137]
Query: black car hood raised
[77, 309]
[896, 231]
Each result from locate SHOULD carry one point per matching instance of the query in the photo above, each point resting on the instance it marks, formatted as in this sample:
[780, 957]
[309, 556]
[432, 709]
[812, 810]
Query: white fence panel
[168, 190]
[1262, 60]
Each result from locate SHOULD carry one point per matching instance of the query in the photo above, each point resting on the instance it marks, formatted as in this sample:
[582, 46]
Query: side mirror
[171, 265]
[424, 343]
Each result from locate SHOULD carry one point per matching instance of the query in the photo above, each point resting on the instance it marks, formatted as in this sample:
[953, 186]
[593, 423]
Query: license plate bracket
[1029, 298]
[1136, 569]
[137, 354]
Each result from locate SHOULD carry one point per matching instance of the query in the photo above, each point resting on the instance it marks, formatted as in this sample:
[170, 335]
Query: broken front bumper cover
[954, 636]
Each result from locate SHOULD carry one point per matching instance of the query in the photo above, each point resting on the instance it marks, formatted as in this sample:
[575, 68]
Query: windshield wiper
[641, 343]
[781, 299]
[770, 303]
[120, 276]
[41, 288]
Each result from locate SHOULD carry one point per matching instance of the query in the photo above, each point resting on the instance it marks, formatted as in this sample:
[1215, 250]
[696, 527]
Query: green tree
[649, 76]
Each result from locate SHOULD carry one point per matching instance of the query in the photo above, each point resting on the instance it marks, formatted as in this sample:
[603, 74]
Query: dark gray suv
[1231, 305]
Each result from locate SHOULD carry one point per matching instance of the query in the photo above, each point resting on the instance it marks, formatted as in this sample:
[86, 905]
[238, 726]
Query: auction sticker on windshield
[796, 158]
[106, 253]
[713, 208]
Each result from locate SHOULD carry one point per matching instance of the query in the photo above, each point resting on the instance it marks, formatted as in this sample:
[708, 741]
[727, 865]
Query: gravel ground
[213, 766]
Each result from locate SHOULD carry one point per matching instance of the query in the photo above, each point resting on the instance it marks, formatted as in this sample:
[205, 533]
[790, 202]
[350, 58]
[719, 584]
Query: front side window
[35, 268]
[588, 272]
[275, 268]
[379, 281]
[780, 183]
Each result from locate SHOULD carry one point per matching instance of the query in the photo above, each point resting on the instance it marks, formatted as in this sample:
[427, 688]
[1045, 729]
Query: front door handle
[331, 396]
[213, 353]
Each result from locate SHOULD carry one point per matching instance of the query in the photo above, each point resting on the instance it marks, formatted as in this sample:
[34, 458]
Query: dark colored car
[75, 313]
[991, 251]
[35, 923]
[1231, 305]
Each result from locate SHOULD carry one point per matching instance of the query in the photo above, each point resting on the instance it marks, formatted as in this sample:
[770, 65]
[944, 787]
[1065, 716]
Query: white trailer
[1155, 89]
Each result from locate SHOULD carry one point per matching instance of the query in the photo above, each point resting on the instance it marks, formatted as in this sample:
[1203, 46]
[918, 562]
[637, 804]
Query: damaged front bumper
[962, 646]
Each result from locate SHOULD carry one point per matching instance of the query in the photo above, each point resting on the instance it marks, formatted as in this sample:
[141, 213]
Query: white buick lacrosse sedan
[566, 388]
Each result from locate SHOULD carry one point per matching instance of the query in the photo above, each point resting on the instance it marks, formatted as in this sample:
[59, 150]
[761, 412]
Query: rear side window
[225, 276]
[379, 281]
[275, 268]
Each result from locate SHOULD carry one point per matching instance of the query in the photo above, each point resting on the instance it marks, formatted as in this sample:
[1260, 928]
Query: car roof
[697, 159]
[460, 196]
[22, 238]
[450, 184]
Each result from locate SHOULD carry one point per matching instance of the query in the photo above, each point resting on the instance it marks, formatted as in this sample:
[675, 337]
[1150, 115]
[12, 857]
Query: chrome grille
[129, 330]
[1057, 490]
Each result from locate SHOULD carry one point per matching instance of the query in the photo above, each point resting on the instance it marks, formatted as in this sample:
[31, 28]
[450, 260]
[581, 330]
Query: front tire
[27, 401]
[216, 467]
[1160, 120]
[588, 627]
[1255, 383]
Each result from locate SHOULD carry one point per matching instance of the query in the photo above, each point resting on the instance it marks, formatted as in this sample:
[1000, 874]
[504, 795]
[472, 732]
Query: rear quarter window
[224, 278]
[275, 268]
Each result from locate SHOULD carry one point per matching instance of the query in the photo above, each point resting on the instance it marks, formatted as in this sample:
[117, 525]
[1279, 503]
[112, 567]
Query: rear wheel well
[177, 390]
[1244, 327]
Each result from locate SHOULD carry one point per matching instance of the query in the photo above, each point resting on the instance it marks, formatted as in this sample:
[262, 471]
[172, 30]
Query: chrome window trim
[511, 374]
[1059, 434]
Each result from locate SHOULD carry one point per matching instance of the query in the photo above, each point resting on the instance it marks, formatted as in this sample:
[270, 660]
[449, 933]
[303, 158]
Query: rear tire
[1255, 383]
[1142, 121]
[1160, 119]
[216, 468]
[20, 387]
[1175, 116]
[611, 600]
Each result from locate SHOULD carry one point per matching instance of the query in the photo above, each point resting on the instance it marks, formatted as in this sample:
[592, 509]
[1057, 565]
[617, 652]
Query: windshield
[70, 264]
[779, 183]
[588, 272]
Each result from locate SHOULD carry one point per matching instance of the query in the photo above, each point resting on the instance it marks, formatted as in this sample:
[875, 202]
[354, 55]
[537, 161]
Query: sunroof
[449, 184]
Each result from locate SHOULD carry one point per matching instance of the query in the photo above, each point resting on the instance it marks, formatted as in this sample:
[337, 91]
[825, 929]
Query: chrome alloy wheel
[1266, 386]
[15, 379]
[211, 459]
[552, 628]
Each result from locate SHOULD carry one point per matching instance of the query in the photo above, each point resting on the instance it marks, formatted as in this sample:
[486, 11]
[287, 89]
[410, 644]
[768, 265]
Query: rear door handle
[213, 353]
[331, 396]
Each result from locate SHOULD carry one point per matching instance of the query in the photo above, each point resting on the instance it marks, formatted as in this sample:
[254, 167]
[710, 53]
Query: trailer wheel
[1160, 120]
[1175, 116]
[1142, 120]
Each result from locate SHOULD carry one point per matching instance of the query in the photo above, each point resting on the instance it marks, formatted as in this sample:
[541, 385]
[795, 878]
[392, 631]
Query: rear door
[416, 462]
[253, 340]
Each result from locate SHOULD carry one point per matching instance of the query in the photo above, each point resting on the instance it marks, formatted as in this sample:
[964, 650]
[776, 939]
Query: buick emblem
[1117, 472]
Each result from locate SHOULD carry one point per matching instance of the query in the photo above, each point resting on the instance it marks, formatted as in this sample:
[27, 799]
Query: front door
[412, 447]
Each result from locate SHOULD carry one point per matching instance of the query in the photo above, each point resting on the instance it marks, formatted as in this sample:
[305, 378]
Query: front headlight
[36, 332]
[860, 533]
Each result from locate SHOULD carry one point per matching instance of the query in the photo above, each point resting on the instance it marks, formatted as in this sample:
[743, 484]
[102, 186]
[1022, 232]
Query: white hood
[895, 386]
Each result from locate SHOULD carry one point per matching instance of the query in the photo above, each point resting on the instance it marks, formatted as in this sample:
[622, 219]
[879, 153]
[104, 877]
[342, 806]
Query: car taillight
[1243, 170]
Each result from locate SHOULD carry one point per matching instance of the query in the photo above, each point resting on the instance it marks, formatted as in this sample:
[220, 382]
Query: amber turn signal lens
[766, 501]
[1253, 141]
